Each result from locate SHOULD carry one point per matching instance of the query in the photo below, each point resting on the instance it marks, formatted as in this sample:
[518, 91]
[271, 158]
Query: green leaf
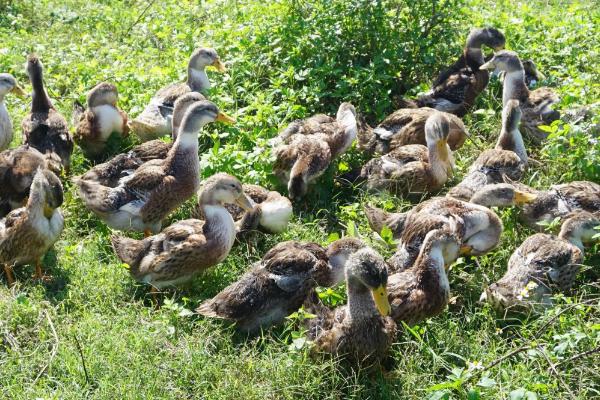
[486, 382]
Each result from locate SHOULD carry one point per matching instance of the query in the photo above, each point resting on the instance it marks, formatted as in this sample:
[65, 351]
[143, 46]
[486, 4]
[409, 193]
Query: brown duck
[188, 247]
[44, 128]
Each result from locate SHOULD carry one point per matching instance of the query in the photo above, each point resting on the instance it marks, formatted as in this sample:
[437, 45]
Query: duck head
[223, 189]
[8, 84]
[201, 113]
[206, 57]
[502, 195]
[490, 37]
[531, 69]
[579, 228]
[338, 253]
[505, 60]
[46, 192]
[437, 129]
[368, 268]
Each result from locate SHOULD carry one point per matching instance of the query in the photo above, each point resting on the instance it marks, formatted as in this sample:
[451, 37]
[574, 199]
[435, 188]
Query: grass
[92, 331]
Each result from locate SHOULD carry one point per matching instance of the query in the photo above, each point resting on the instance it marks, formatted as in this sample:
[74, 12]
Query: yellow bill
[218, 64]
[523, 197]
[48, 211]
[465, 250]
[224, 118]
[18, 90]
[488, 65]
[244, 202]
[442, 148]
[380, 296]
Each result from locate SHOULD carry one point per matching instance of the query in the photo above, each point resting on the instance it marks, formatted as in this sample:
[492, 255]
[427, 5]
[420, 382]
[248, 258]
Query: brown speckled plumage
[274, 288]
[45, 128]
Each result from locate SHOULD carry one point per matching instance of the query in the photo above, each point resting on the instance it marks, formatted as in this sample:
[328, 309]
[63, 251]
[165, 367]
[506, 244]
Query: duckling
[45, 128]
[8, 84]
[414, 168]
[187, 247]
[145, 195]
[271, 212]
[153, 122]
[543, 265]
[360, 331]
[502, 195]
[18, 166]
[507, 159]
[182, 103]
[535, 105]
[27, 233]
[422, 291]
[456, 89]
[100, 121]
[407, 126]
[279, 284]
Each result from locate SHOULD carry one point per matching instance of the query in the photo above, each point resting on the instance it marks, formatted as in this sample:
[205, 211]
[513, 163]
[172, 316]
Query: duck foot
[154, 292]
[39, 274]
[10, 277]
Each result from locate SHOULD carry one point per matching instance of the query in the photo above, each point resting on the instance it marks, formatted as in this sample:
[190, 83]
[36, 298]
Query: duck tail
[78, 111]
[129, 251]
[207, 309]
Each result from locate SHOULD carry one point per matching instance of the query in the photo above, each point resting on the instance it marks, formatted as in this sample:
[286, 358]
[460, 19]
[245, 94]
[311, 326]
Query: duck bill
[380, 296]
[521, 198]
[224, 118]
[465, 250]
[18, 90]
[442, 149]
[488, 65]
[218, 64]
[244, 202]
[48, 211]
[539, 76]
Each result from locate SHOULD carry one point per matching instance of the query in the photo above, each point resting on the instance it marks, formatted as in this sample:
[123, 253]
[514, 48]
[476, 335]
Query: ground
[92, 331]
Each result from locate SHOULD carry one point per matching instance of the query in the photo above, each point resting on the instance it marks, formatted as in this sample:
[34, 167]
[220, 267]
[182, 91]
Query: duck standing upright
[142, 198]
[8, 84]
[456, 89]
[27, 233]
[536, 105]
[100, 121]
[154, 121]
[45, 128]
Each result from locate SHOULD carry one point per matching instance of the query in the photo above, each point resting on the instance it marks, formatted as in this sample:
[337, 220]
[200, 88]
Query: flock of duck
[411, 155]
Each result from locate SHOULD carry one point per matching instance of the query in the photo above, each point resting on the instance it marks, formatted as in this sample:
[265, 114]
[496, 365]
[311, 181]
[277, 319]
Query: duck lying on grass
[278, 285]
[188, 247]
[543, 265]
[27, 233]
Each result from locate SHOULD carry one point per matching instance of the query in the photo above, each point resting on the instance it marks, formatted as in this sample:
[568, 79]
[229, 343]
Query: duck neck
[474, 57]
[514, 87]
[431, 268]
[197, 79]
[40, 102]
[184, 154]
[360, 300]
[511, 139]
[439, 160]
[37, 200]
[347, 120]
[571, 235]
[219, 228]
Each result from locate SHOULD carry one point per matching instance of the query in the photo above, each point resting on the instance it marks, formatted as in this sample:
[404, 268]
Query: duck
[271, 212]
[305, 149]
[8, 84]
[186, 248]
[44, 128]
[100, 121]
[543, 265]
[422, 291]
[539, 208]
[456, 89]
[18, 166]
[407, 126]
[360, 332]
[478, 227]
[414, 169]
[507, 159]
[153, 122]
[27, 233]
[279, 284]
[146, 194]
[536, 105]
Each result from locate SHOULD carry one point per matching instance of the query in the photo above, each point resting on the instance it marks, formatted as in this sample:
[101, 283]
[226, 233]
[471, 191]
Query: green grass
[287, 60]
